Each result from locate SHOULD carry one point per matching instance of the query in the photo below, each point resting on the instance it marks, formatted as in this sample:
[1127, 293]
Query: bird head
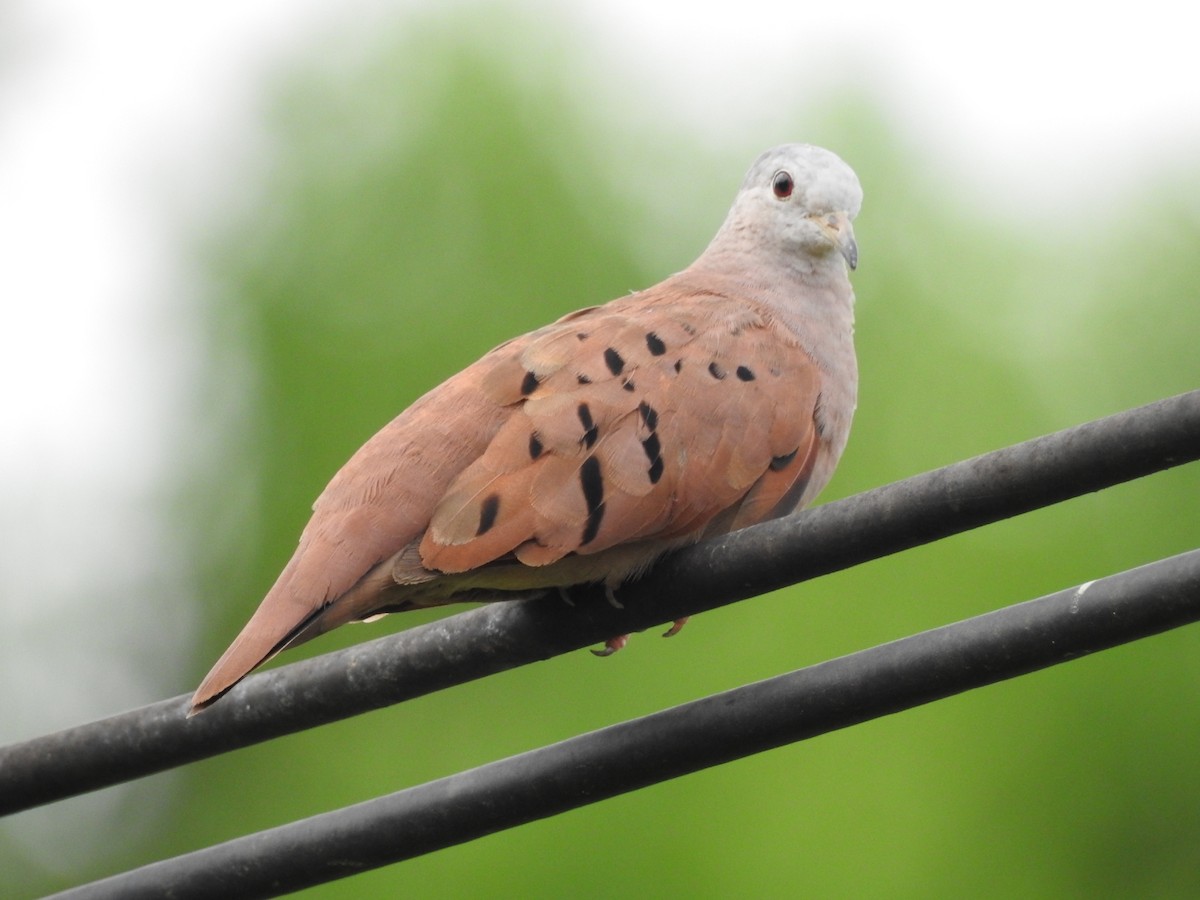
[797, 199]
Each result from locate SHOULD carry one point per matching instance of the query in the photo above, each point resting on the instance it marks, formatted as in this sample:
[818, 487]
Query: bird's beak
[838, 228]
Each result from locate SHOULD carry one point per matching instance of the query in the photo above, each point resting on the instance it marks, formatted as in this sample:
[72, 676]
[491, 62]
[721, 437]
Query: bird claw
[612, 645]
[611, 596]
[676, 627]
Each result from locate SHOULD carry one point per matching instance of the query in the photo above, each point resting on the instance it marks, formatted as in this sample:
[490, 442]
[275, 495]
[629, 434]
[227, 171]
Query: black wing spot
[654, 344]
[614, 361]
[779, 463]
[529, 385]
[590, 430]
[715, 370]
[744, 373]
[656, 470]
[583, 379]
[653, 450]
[581, 335]
[651, 445]
[535, 446]
[629, 385]
[678, 366]
[487, 514]
[593, 495]
[649, 415]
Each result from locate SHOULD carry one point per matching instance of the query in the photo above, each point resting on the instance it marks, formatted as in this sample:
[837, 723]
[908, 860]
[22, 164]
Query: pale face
[800, 198]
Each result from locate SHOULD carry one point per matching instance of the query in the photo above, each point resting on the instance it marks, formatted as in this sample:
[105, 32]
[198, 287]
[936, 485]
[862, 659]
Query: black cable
[687, 738]
[494, 638]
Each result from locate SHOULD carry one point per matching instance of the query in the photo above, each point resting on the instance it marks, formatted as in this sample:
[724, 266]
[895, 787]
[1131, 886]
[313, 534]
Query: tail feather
[264, 635]
[294, 611]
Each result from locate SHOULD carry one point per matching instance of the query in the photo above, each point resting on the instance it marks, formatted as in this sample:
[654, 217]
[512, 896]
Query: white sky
[114, 116]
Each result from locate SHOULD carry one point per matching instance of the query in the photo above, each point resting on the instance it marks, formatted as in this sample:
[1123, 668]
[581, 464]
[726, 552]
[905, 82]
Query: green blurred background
[449, 189]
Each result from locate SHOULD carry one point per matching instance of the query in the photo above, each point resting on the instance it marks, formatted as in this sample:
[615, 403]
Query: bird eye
[782, 184]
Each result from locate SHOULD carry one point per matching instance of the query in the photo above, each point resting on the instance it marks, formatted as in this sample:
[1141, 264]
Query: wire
[687, 738]
[494, 638]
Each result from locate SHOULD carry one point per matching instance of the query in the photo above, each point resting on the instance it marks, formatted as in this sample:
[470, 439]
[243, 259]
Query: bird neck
[810, 296]
[799, 287]
[741, 246]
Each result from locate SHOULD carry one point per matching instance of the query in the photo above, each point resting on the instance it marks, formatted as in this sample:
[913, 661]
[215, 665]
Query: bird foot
[612, 645]
[676, 627]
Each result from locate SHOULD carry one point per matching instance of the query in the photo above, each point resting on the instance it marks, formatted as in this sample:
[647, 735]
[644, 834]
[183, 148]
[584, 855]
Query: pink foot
[612, 645]
[676, 627]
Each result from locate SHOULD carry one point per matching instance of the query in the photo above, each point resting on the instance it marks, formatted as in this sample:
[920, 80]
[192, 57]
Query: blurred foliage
[447, 190]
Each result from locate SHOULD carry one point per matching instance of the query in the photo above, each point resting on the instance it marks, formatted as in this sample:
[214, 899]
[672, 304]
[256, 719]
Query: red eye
[782, 184]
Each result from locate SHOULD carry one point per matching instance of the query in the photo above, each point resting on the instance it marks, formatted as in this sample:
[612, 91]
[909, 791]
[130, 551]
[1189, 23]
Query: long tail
[296, 609]
[278, 622]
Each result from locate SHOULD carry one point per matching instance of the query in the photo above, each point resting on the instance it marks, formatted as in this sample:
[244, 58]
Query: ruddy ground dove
[583, 451]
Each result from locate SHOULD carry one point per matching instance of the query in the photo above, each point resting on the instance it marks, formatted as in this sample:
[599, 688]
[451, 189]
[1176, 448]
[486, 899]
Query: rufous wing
[636, 422]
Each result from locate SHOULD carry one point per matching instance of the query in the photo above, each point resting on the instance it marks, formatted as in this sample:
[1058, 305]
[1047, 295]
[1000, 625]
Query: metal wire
[484, 641]
[687, 738]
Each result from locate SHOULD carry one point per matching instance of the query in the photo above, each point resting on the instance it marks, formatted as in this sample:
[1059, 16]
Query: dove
[583, 451]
